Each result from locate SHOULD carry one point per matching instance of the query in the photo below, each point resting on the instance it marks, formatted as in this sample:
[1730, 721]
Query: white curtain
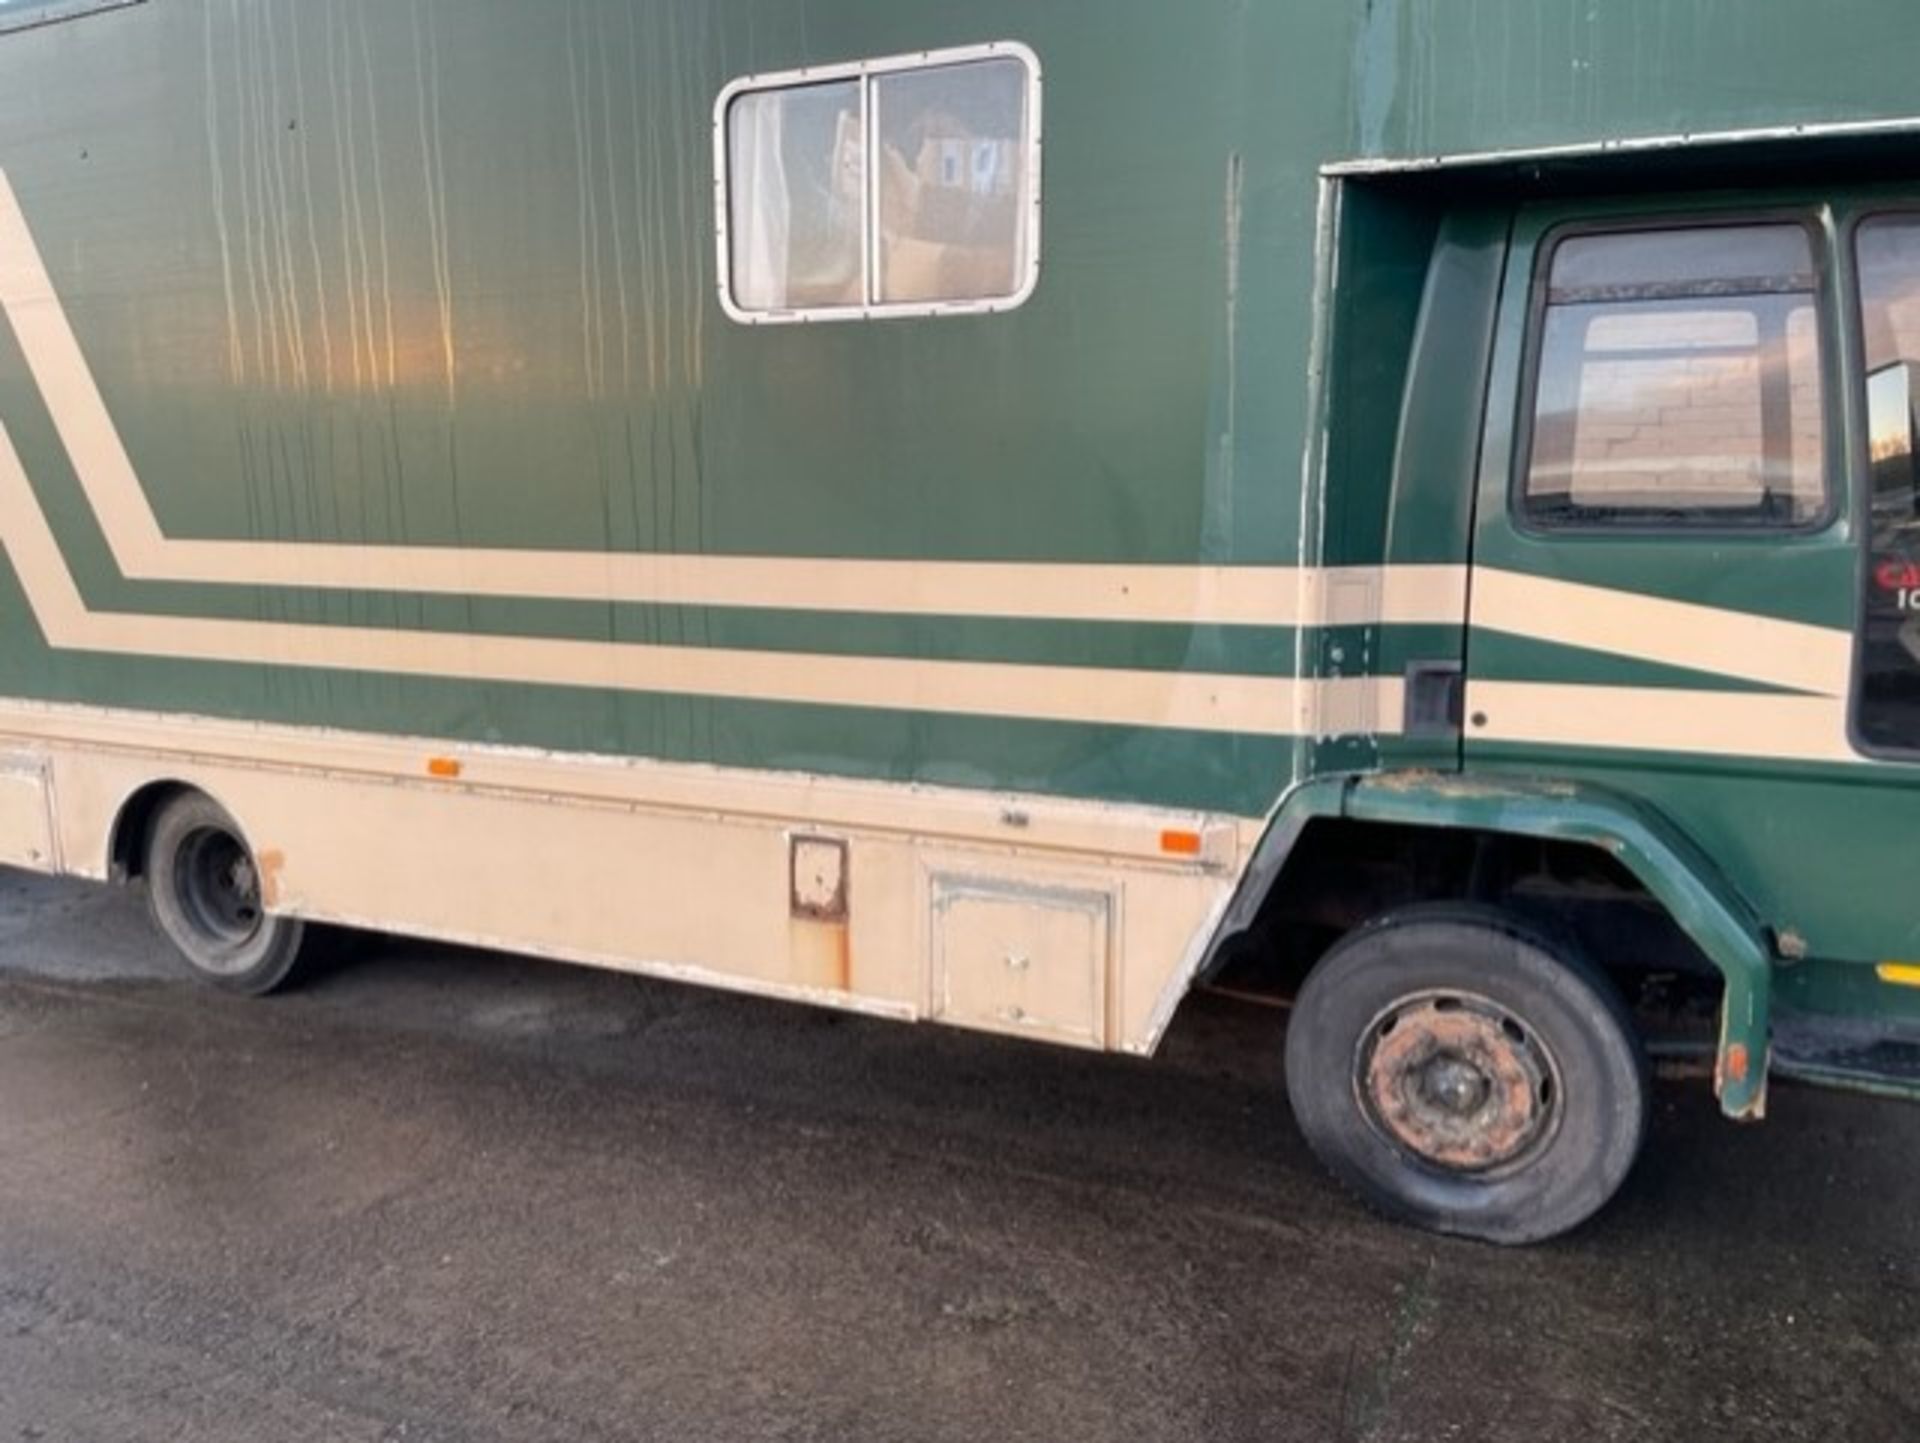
[760, 209]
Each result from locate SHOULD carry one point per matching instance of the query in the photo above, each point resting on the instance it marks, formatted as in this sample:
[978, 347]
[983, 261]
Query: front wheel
[204, 890]
[1461, 1072]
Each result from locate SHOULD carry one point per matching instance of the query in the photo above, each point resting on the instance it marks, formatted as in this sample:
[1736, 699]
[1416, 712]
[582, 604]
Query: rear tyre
[203, 888]
[1462, 1072]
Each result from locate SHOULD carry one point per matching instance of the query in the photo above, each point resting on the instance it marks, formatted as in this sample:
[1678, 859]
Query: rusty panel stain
[271, 865]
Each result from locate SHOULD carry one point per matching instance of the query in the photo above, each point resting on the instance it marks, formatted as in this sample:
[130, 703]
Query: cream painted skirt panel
[1034, 917]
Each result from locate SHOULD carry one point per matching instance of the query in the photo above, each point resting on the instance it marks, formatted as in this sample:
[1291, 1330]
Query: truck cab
[1665, 430]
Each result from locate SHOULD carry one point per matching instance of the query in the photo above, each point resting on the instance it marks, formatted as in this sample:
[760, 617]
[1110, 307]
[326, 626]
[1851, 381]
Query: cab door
[1666, 567]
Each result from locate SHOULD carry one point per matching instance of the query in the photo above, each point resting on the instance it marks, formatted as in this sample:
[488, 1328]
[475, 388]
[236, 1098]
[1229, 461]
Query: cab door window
[1887, 715]
[1678, 382]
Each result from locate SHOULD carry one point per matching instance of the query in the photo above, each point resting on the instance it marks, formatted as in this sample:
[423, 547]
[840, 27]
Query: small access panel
[1019, 959]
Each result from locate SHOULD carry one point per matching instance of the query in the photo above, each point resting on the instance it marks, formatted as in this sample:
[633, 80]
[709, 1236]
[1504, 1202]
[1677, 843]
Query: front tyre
[204, 890]
[1461, 1072]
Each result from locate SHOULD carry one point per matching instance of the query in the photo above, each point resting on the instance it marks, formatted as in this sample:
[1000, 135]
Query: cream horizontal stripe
[1192, 701]
[1196, 595]
[1762, 649]
[1694, 723]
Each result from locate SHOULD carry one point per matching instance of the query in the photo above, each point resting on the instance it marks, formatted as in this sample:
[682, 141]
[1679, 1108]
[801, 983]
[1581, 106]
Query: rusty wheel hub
[1458, 1081]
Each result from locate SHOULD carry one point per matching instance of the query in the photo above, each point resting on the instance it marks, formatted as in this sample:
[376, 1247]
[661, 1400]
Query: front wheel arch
[1674, 872]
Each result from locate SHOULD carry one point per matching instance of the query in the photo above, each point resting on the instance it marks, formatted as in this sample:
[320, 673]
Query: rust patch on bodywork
[820, 955]
[1739, 1062]
[1733, 1067]
[1403, 781]
[270, 864]
[1452, 786]
[818, 878]
[820, 947]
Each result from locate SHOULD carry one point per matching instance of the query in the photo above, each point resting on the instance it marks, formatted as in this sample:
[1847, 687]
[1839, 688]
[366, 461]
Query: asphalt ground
[446, 1195]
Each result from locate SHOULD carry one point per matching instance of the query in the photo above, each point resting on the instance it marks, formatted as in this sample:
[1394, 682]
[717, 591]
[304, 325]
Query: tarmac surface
[446, 1195]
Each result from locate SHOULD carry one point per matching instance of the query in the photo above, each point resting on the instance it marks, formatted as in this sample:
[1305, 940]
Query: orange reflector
[1900, 974]
[1738, 1062]
[444, 767]
[1181, 844]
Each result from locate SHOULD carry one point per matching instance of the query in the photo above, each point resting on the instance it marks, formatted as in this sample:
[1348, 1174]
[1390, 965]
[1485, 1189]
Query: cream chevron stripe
[1192, 595]
[1752, 726]
[1193, 701]
[1787, 654]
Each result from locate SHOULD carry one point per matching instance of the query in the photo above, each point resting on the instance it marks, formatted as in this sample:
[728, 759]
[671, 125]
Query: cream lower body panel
[1063, 921]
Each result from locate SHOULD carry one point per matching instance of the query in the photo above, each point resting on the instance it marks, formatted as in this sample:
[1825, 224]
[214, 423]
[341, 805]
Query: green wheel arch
[1675, 872]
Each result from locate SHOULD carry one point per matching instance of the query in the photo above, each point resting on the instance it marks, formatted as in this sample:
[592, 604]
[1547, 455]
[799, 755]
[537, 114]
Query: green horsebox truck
[999, 512]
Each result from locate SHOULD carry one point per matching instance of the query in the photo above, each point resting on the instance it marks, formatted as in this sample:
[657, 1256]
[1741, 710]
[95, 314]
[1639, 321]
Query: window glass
[797, 196]
[900, 185]
[19, 14]
[953, 160]
[1888, 715]
[1679, 381]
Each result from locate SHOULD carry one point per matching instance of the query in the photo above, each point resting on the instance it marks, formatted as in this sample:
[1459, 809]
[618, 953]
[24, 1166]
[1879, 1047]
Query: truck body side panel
[364, 383]
[374, 294]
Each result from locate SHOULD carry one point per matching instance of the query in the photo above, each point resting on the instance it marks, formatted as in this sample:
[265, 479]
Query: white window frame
[867, 72]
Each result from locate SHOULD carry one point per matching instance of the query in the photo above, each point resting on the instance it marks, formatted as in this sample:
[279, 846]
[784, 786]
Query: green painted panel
[1835, 990]
[443, 275]
[1821, 852]
[529, 185]
[1445, 77]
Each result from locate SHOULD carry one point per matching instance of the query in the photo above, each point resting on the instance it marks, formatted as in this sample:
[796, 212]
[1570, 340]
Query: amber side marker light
[1900, 974]
[445, 768]
[1181, 844]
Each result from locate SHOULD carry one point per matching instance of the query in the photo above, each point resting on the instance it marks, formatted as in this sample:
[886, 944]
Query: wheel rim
[1459, 1082]
[218, 889]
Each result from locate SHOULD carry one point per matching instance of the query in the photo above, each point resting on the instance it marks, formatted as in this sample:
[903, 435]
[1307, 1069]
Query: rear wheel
[204, 889]
[1463, 1072]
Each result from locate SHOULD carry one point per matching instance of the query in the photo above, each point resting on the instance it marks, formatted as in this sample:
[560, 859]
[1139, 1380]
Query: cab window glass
[1888, 715]
[1679, 382]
